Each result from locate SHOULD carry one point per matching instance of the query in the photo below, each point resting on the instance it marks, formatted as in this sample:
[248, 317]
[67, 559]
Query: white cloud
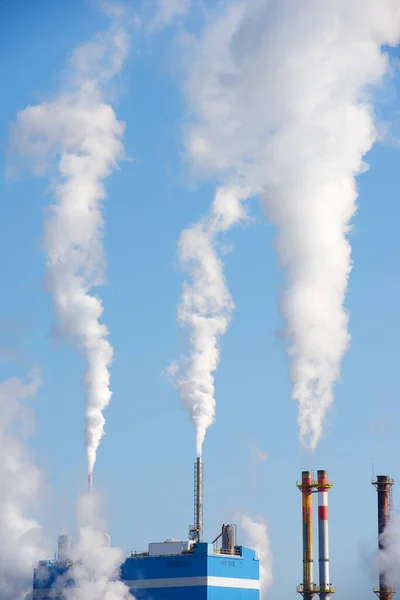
[167, 11]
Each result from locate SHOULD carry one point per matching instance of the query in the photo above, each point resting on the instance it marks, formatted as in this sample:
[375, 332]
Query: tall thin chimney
[306, 486]
[325, 588]
[198, 499]
[383, 485]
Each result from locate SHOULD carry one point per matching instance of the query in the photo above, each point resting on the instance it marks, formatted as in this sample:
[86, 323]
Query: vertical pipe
[90, 481]
[323, 539]
[383, 485]
[306, 490]
[198, 499]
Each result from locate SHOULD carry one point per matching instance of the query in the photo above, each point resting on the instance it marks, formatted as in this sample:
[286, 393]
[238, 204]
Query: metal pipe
[383, 485]
[198, 499]
[323, 535]
[306, 491]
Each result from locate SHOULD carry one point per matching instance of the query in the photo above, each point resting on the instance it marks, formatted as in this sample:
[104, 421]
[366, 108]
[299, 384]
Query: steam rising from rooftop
[256, 536]
[21, 535]
[96, 564]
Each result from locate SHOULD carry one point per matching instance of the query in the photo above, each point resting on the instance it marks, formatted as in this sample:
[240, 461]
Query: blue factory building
[171, 570]
[199, 572]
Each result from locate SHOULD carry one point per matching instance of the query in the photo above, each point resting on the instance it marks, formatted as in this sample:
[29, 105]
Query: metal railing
[225, 551]
[316, 589]
[388, 590]
[313, 588]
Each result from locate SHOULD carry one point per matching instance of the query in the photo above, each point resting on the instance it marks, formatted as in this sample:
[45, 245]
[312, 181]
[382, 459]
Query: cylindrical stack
[228, 539]
[306, 491]
[383, 485]
[198, 499]
[323, 539]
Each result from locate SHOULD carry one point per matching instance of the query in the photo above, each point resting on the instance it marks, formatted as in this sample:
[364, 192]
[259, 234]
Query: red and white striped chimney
[325, 588]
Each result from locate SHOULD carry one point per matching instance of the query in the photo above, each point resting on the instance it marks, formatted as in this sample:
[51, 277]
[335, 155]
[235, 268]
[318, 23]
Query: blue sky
[144, 467]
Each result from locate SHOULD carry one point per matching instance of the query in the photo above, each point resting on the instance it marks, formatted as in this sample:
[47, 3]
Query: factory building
[172, 570]
[221, 570]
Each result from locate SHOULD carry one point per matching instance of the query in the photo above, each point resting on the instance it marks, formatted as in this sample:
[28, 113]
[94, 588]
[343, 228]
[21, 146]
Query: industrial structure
[222, 569]
[173, 569]
[308, 486]
[196, 530]
[383, 485]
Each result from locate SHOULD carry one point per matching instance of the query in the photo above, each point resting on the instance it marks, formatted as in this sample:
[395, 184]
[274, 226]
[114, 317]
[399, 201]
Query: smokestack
[198, 499]
[306, 486]
[90, 481]
[325, 588]
[228, 539]
[383, 485]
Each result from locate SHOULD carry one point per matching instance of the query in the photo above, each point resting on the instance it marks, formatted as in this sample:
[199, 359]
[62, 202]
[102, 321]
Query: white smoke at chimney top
[79, 132]
[280, 98]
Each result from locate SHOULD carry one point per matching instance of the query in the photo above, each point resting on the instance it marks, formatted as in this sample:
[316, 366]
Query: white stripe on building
[229, 582]
[172, 582]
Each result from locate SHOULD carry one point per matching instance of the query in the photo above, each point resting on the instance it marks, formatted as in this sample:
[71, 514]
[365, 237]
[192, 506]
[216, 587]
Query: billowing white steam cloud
[205, 308]
[256, 536]
[96, 563]
[21, 535]
[81, 131]
[278, 91]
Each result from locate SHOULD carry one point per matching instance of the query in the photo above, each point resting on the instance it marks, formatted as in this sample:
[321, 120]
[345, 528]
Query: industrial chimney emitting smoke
[383, 485]
[308, 486]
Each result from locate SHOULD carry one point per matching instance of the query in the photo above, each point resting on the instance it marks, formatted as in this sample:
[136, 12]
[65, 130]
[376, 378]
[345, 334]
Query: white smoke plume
[96, 564]
[256, 536]
[205, 308]
[388, 560]
[79, 131]
[20, 533]
[279, 93]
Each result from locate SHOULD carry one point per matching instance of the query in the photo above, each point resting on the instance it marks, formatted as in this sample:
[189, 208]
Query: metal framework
[196, 531]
